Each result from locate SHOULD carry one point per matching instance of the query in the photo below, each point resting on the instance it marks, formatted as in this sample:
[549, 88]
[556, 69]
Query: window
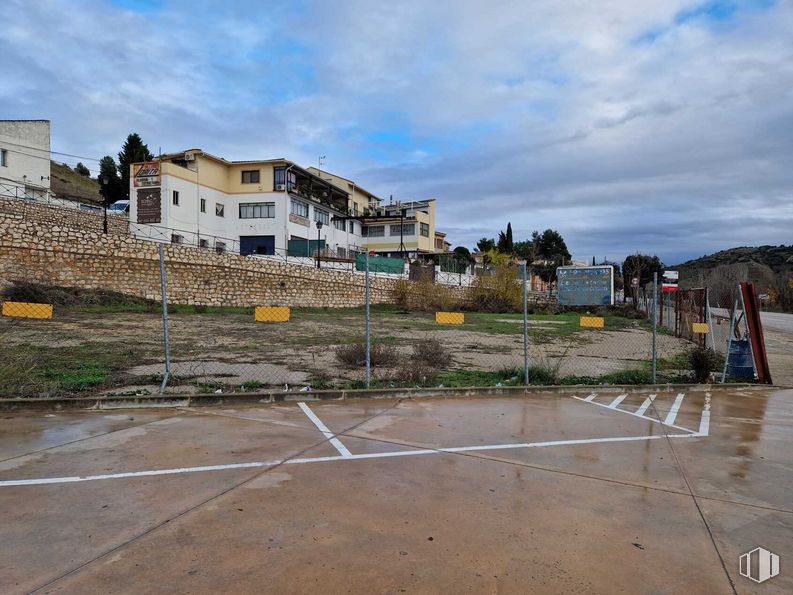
[321, 216]
[176, 238]
[175, 198]
[3, 157]
[281, 177]
[203, 205]
[375, 231]
[220, 247]
[257, 210]
[220, 209]
[408, 229]
[355, 208]
[203, 243]
[339, 224]
[424, 228]
[352, 226]
[250, 176]
[299, 208]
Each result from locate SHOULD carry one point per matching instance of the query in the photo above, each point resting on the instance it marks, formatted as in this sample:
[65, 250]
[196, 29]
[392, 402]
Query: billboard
[585, 286]
[149, 205]
[146, 174]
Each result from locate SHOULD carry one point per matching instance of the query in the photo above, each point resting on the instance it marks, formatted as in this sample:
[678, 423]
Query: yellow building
[394, 229]
[272, 207]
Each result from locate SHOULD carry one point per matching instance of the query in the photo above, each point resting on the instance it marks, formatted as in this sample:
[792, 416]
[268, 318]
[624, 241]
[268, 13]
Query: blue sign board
[585, 286]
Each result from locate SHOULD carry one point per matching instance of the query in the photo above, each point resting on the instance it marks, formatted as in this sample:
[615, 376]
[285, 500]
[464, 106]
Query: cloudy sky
[661, 126]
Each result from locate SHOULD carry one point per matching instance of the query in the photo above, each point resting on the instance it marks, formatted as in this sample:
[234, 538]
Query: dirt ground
[219, 351]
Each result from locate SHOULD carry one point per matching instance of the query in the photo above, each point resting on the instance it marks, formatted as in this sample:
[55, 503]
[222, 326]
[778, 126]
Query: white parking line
[590, 397]
[349, 457]
[617, 401]
[634, 414]
[670, 417]
[325, 431]
[646, 405]
[704, 422]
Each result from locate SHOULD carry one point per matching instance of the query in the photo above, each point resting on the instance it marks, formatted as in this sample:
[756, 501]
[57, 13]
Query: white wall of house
[25, 156]
[187, 219]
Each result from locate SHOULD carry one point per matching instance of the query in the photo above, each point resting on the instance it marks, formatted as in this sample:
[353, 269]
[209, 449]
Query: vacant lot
[223, 349]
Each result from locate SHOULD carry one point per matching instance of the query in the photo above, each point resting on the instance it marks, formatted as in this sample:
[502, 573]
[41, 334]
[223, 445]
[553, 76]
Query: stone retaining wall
[50, 245]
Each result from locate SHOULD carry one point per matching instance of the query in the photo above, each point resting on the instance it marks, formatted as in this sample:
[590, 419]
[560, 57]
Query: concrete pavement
[584, 492]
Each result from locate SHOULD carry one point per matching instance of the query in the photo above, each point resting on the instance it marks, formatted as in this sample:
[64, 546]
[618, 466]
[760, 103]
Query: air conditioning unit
[189, 157]
[280, 187]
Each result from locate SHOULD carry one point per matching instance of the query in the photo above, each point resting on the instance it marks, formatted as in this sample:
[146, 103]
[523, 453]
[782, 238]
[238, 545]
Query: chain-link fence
[229, 328]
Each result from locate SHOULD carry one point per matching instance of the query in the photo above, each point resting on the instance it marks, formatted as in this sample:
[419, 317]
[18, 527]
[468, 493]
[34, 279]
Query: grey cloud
[678, 147]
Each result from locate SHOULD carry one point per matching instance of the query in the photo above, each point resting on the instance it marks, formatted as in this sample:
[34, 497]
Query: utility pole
[104, 182]
[402, 213]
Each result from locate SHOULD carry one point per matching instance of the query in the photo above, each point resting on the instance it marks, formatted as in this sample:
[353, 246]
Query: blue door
[257, 245]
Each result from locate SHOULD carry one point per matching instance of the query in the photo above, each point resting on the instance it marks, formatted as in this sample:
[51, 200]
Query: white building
[25, 158]
[254, 207]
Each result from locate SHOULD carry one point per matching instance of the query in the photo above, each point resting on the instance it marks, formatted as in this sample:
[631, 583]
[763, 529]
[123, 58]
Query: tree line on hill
[545, 251]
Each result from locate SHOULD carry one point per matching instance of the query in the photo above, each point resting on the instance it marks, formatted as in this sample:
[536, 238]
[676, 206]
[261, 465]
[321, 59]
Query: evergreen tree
[132, 151]
[550, 245]
[485, 244]
[82, 170]
[110, 185]
[505, 245]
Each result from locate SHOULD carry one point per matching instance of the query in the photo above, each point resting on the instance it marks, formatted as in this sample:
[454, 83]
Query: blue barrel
[739, 360]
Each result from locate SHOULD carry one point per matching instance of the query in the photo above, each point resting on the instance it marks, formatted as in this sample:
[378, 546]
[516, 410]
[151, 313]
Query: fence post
[165, 340]
[655, 324]
[366, 321]
[709, 338]
[525, 327]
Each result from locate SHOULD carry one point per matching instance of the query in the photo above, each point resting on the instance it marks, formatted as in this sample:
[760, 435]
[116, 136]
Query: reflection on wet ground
[582, 491]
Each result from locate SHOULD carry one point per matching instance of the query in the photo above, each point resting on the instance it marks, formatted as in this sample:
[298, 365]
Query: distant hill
[768, 267]
[68, 184]
[777, 258]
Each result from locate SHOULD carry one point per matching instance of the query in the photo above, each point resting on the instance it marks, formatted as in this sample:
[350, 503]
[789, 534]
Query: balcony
[305, 185]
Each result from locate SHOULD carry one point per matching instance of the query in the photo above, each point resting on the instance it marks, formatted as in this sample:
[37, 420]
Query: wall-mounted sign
[586, 286]
[671, 275]
[146, 174]
[149, 205]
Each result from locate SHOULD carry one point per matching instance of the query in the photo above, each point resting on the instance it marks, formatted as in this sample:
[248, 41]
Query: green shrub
[627, 377]
[501, 292]
[703, 362]
[424, 295]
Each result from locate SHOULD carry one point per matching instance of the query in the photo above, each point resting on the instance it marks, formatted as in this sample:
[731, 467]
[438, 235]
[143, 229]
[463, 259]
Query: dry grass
[381, 355]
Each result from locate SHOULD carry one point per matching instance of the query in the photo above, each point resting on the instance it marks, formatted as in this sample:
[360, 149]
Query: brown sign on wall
[146, 174]
[149, 205]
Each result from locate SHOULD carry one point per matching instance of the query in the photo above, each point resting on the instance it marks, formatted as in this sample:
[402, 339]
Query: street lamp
[104, 180]
[319, 228]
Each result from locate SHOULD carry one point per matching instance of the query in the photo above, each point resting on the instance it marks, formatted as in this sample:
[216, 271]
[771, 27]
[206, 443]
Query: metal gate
[690, 308]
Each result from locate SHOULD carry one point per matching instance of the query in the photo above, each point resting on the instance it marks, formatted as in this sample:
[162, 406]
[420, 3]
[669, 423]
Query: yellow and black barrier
[700, 328]
[592, 322]
[272, 314]
[27, 310]
[449, 317]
